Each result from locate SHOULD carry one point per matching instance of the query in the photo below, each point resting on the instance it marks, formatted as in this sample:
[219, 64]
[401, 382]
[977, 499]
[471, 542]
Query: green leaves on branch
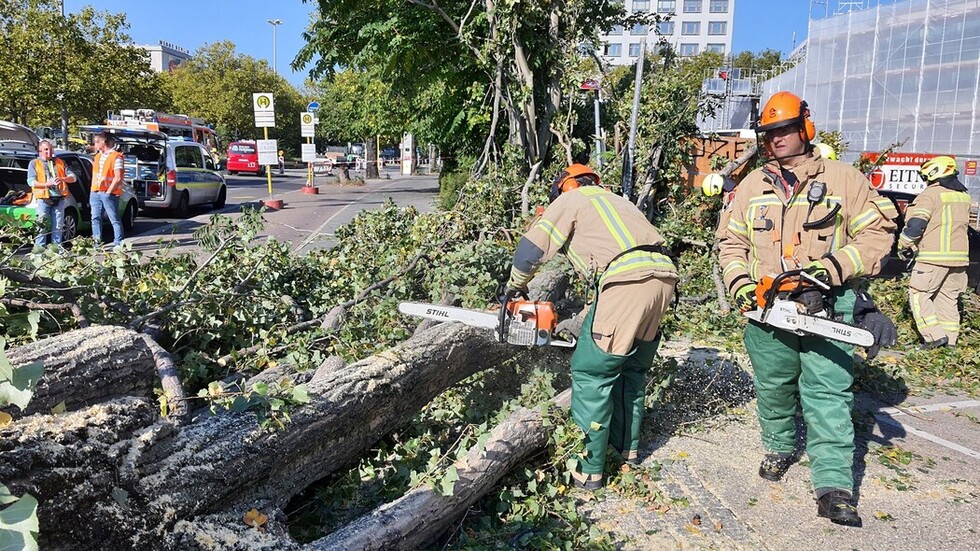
[271, 402]
[18, 522]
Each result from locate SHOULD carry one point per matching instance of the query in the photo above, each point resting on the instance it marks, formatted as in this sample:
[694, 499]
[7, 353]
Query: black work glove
[906, 254]
[868, 316]
[817, 270]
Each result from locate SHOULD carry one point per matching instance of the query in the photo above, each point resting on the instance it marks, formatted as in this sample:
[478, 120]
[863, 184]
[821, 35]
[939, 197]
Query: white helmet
[712, 184]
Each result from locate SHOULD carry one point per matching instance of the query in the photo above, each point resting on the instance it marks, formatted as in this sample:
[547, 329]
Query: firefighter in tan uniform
[937, 222]
[611, 243]
[803, 211]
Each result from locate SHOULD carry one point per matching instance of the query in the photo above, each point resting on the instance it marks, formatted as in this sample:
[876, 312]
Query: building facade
[166, 56]
[904, 72]
[695, 26]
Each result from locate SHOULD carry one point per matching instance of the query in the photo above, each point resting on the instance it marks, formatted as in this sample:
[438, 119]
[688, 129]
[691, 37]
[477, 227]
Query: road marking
[886, 419]
[948, 406]
[316, 232]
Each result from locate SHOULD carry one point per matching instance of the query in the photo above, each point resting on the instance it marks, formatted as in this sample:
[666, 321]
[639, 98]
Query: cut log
[225, 463]
[88, 366]
[421, 515]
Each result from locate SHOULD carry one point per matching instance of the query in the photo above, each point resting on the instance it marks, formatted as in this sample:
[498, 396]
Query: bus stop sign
[313, 106]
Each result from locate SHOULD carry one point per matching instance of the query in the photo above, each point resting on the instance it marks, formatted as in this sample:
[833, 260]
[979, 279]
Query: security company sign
[900, 172]
[307, 125]
[265, 110]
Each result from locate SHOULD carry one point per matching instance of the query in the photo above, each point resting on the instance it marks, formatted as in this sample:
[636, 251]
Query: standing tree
[217, 84]
[511, 57]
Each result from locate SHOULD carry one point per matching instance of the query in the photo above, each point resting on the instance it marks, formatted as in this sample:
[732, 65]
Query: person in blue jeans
[49, 179]
[107, 181]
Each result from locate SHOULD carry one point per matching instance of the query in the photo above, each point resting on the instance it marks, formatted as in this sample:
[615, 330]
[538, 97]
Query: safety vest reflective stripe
[552, 232]
[886, 206]
[852, 254]
[933, 256]
[614, 223]
[736, 265]
[738, 227]
[638, 260]
[862, 221]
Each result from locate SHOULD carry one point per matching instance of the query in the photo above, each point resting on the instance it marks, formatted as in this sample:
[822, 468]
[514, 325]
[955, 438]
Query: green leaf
[595, 426]
[262, 389]
[18, 388]
[18, 523]
[300, 395]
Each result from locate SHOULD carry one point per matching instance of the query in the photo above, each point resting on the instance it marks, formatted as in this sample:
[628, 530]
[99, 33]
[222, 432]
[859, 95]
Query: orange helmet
[574, 176]
[784, 109]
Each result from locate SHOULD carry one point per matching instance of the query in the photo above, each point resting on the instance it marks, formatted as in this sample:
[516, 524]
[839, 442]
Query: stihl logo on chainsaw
[841, 331]
[435, 312]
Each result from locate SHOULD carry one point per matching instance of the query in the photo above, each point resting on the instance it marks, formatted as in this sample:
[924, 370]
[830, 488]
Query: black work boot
[944, 341]
[584, 481]
[775, 465]
[836, 505]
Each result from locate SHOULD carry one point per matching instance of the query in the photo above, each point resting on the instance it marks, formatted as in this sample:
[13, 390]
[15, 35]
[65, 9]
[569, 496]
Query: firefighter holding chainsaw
[611, 243]
[937, 225]
[802, 211]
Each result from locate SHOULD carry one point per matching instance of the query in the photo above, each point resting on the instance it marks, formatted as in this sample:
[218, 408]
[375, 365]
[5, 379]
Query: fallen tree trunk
[136, 477]
[422, 514]
[88, 366]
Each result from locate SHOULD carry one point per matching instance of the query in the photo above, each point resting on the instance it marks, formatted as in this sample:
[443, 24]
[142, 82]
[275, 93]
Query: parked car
[167, 174]
[895, 266]
[14, 158]
[243, 157]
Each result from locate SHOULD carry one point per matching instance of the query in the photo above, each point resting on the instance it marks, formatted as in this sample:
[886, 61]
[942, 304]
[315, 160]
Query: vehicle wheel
[219, 203]
[69, 230]
[129, 217]
[184, 205]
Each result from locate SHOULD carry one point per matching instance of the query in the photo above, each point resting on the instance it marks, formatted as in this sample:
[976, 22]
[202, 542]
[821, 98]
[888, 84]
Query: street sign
[268, 152]
[970, 169]
[265, 110]
[309, 152]
[900, 172]
[589, 84]
[307, 124]
[313, 106]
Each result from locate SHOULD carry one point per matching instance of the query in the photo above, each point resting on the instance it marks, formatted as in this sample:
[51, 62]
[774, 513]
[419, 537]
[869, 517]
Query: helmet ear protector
[571, 178]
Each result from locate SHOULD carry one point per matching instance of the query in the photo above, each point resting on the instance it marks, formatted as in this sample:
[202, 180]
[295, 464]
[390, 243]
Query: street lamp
[275, 23]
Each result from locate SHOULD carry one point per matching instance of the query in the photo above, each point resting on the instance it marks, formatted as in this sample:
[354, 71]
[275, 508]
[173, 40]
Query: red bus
[243, 157]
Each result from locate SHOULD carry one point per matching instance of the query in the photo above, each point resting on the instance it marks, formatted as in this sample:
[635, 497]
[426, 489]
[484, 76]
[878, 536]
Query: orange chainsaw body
[541, 313]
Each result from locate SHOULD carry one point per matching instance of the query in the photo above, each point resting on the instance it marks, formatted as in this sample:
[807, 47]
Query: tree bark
[371, 159]
[88, 366]
[223, 464]
[422, 514]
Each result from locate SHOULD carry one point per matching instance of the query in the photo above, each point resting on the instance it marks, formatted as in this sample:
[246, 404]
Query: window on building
[617, 30]
[718, 6]
[717, 27]
[688, 50]
[692, 6]
[690, 28]
[640, 30]
[717, 48]
[641, 5]
[634, 49]
[665, 28]
[666, 6]
[614, 50]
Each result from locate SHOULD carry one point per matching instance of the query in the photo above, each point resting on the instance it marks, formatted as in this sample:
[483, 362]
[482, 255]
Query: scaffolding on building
[894, 72]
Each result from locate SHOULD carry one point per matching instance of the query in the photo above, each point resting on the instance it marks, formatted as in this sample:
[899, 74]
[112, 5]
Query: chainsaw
[521, 322]
[781, 304]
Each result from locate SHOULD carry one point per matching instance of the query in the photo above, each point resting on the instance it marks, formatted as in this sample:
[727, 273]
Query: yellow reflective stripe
[735, 265]
[955, 197]
[854, 256]
[637, 260]
[754, 269]
[801, 201]
[738, 227]
[933, 256]
[921, 322]
[862, 221]
[614, 223]
[577, 261]
[885, 205]
[589, 191]
[920, 213]
[950, 325]
[767, 200]
[946, 228]
[552, 232]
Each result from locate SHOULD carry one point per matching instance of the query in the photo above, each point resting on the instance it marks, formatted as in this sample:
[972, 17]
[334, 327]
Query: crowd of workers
[802, 210]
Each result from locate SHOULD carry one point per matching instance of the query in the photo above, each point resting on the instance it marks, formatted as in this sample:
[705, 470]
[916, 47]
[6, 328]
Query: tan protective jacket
[765, 226]
[947, 213]
[591, 226]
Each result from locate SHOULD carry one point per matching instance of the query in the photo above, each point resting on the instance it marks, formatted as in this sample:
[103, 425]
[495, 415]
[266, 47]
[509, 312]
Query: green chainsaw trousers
[820, 372]
[607, 395]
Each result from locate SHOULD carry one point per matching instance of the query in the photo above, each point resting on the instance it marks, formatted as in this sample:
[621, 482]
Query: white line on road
[963, 404]
[886, 419]
[316, 232]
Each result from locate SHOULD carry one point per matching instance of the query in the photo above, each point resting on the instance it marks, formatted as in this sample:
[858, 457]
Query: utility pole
[275, 24]
[629, 158]
[61, 93]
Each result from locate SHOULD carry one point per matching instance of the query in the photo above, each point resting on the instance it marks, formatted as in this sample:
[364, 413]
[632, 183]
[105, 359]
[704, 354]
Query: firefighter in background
[801, 210]
[611, 243]
[936, 225]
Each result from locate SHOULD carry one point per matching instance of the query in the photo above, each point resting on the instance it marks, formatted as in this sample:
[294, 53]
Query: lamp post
[61, 93]
[275, 23]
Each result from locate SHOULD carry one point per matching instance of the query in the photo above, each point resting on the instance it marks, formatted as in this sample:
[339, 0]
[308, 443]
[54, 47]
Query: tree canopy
[86, 58]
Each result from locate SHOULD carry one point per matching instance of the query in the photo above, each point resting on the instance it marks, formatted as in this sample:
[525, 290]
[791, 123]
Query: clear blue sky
[759, 24]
